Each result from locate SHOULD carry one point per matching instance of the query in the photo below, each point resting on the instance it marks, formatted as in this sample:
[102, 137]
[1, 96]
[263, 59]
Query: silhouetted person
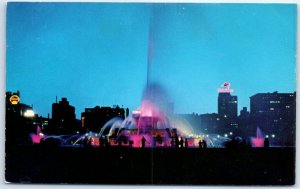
[266, 143]
[169, 132]
[89, 142]
[102, 142]
[204, 144]
[244, 143]
[234, 143]
[186, 144]
[154, 142]
[143, 142]
[176, 142]
[181, 143]
[106, 142]
[119, 141]
[85, 141]
[159, 139]
[172, 143]
[130, 143]
[200, 144]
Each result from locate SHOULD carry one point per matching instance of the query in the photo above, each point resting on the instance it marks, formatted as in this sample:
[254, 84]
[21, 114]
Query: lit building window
[274, 102]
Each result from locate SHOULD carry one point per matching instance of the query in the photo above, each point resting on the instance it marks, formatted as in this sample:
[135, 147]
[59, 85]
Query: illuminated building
[275, 114]
[13, 104]
[63, 117]
[20, 120]
[227, 104]
[211, 123]
[273, 103]
[227, 109]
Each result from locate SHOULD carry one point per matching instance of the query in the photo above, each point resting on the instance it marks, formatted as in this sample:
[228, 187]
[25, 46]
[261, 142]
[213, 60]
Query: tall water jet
[257, 141]
[150, 47]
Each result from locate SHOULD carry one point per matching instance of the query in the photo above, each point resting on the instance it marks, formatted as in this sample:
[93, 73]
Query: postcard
[150, 93]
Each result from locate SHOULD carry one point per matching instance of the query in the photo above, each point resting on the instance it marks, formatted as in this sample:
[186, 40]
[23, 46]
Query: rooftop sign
[225, 88]
[14, 99]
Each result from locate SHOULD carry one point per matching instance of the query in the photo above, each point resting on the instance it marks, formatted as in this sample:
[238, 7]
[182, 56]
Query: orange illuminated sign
[14, 99]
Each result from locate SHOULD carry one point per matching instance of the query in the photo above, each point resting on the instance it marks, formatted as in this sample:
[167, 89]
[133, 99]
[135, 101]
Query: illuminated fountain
[257, 141]
[151, 125]
[150, 122]
[38, 136]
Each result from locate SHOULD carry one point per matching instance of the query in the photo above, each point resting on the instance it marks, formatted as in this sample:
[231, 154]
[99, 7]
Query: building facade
[19, 121]
[63, 118]
[275, 114]
[93, 119]
[227, 105]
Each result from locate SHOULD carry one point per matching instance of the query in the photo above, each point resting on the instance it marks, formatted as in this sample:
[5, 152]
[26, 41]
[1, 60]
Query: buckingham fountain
[150, 125]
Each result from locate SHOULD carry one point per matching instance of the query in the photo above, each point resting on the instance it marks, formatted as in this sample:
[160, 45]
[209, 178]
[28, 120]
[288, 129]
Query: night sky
[96, 53]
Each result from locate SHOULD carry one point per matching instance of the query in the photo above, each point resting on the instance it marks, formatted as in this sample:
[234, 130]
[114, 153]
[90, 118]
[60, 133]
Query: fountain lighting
[257, 141]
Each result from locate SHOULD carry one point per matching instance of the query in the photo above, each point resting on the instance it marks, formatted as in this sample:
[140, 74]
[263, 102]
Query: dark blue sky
[96, 53]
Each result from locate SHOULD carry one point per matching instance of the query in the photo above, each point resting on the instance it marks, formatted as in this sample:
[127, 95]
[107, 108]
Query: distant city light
[273, 136]
[226, 135]
[267, 136]
[29, 113]
[230, 133]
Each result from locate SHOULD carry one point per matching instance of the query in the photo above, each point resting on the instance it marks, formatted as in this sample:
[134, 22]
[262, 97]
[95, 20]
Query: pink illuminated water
[36, 137]
[257, 141]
